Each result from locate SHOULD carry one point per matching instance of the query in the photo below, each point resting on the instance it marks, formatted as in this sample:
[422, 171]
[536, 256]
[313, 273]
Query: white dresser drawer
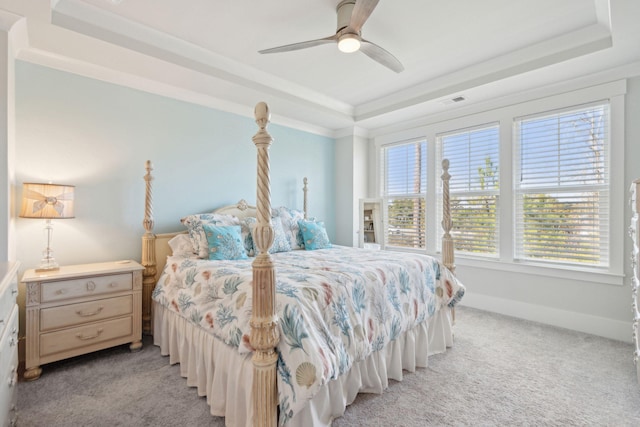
[82, 336]
[86, 287]
[84, 312]
[8, 292]
[9, 367]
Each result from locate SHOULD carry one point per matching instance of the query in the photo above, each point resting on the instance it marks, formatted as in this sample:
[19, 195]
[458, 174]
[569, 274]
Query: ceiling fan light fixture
[349, 43]
[351, 14]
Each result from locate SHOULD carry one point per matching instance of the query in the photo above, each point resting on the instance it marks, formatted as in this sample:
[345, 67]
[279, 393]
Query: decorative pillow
[290, 218]
[246, 234]
[224, 242]
[314, 235]
[181, 245]
[194, 225]
[280, 241]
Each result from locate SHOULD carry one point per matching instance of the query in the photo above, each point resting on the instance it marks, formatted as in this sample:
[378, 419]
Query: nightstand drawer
[84, 312]
[82, 336]
[88, 286]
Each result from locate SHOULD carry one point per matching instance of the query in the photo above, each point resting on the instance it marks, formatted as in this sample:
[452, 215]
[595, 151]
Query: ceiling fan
[352, 14]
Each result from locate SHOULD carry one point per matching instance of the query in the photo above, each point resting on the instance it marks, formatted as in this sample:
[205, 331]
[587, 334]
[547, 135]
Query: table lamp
[47, 201]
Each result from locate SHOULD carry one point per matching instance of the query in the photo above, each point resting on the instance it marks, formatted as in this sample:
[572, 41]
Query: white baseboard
[601, 326]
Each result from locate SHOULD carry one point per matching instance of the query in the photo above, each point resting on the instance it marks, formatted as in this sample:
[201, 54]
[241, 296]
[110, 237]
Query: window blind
[404, 190]
[562, 187]
[474, 187]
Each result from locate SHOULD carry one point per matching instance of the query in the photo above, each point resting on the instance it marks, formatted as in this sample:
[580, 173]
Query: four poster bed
[294, 348]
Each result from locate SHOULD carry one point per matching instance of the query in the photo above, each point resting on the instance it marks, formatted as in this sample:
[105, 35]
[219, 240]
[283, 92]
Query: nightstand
[79, 309]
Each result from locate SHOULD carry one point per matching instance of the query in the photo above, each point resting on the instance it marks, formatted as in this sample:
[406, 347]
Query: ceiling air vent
[448, 101]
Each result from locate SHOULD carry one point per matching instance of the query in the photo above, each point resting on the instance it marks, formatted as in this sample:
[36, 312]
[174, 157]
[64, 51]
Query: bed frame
[264, 332]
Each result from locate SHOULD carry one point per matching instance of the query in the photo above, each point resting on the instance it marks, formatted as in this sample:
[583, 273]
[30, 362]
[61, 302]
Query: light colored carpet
[501, 372]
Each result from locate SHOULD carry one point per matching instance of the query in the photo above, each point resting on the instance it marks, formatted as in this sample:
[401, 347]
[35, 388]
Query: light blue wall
[97, 136]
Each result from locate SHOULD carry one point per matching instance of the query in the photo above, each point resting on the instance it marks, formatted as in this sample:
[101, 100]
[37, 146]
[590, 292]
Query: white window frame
[453, 192]
[527, 104]
[544, 188]
[385, 197]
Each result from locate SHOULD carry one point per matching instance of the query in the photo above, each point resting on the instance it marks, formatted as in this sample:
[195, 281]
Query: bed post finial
[304, 191]
[148, 221]
[148, 252]
[262, 115]
[447, 223]
[264, 333]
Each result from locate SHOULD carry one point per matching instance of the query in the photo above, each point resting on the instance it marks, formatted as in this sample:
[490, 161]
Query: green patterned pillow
[314, 235]
[225, 242]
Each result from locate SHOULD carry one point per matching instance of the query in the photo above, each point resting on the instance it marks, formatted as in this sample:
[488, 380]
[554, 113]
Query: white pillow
[290, 218]
[181, 245]
[280, 241]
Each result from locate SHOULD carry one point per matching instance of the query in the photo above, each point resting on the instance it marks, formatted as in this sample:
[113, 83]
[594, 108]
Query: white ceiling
[206, 51]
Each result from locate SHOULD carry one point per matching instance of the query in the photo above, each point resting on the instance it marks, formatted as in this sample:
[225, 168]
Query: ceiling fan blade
[300, 45]
[380, 55]
[361, 11]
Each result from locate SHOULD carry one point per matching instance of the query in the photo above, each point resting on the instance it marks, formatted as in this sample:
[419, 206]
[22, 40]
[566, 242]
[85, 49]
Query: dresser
[8, 342]
[79, 309]
[634, 231]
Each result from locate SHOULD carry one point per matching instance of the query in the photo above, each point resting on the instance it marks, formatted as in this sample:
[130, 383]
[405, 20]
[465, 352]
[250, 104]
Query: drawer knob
[113, 285]
[91, 286]
[93, 313]
[89, 337]
[61, 291]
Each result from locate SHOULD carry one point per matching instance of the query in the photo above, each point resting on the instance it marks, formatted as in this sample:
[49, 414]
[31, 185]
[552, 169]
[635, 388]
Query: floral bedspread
[335, 306]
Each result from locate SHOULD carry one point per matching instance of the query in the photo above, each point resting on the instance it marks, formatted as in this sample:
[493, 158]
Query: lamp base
[48, 262]
[42, 269]
[48, 265]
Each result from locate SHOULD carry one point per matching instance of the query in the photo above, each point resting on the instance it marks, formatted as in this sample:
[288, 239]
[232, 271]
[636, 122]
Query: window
[473, 155]
[562, 187]
[404, 188]
[532, 188]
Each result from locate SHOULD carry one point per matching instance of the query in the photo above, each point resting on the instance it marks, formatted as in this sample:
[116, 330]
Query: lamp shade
[48, 201]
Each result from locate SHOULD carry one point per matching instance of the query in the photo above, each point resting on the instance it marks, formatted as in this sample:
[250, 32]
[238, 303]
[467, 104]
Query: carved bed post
[447, 223]
[447, 242]
[148, 253]
[304, 191]
[264, 333]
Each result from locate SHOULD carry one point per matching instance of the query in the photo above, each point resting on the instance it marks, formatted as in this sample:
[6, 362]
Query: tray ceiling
[466, 48]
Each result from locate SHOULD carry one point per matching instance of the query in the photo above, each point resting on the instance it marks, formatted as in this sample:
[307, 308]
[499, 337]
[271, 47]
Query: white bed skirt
[228, 388]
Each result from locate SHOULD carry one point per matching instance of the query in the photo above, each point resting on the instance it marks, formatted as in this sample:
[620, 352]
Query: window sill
[571, 273]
